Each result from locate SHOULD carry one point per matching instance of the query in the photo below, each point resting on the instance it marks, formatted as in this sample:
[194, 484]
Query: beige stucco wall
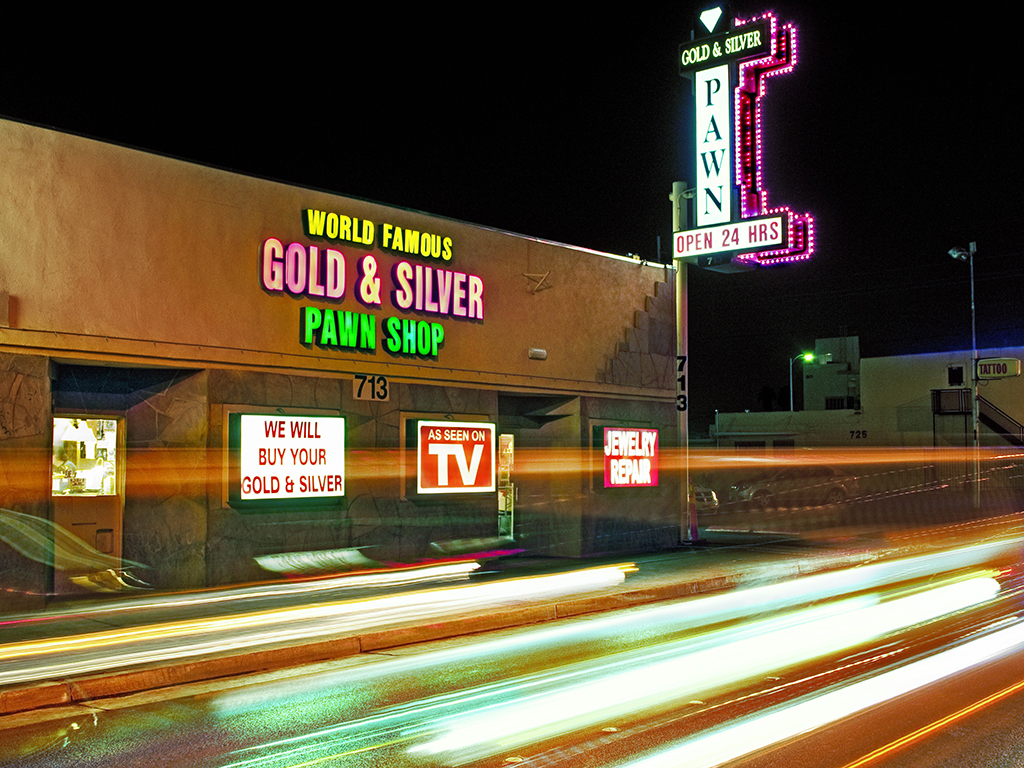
[896, 393]
[896, 407]
[807, 428]
[111, 253]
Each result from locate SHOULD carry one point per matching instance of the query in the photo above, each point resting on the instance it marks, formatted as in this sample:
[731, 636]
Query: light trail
[688, 669]
[938, 725]
[162, 642]
[158, 472]
[758, 733]
[391, 577]
[359, 709]
[649, 624]
[456, 726]
[146, 644]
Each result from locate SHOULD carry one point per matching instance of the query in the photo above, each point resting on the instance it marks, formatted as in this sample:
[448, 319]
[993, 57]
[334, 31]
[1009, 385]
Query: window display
[84, 456]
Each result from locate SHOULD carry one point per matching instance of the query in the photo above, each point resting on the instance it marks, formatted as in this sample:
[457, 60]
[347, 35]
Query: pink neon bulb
[753, 77]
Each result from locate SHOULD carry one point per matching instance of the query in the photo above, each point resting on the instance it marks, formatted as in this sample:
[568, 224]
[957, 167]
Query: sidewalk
[721, 561]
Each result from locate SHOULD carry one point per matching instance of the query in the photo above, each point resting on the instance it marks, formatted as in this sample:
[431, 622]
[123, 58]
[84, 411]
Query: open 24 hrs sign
[455, 457]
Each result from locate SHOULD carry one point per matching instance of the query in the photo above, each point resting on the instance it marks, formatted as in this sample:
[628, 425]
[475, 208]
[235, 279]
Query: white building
[906, 400]
[920, 402]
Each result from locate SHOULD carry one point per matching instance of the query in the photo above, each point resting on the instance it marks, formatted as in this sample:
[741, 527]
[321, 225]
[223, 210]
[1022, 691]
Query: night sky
[899, 131]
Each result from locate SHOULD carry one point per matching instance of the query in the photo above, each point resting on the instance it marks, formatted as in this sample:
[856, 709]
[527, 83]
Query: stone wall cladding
[635, 519]
[646, 358]
[25, 435]
[165, 485]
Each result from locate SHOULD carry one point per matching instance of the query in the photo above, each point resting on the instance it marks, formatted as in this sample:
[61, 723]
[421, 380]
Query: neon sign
[734, 221]
[714, 147]
[630, 457]
[321, 274]
[394, 239]
[753, 40]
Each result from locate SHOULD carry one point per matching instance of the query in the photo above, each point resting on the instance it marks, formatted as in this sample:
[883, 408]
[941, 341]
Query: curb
[81, 690]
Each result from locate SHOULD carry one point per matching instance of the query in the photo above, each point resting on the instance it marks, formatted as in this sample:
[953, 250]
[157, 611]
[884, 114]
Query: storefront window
[84, 457]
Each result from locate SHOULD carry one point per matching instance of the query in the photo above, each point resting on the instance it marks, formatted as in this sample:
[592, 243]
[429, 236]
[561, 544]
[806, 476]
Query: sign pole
[733, 228]
[688, 517]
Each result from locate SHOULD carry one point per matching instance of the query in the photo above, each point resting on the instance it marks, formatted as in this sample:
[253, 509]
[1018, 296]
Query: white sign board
[291, 457]
[750, 234]
[998, 367]
[714, 146]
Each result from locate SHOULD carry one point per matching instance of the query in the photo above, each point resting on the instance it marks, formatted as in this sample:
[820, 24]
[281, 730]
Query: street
[602, 689]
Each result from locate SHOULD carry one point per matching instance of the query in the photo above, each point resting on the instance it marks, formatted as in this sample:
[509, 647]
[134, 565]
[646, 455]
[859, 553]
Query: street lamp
[961, 255]
[807, 357]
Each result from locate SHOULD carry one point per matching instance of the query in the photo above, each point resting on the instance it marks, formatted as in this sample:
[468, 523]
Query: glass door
[87, 498]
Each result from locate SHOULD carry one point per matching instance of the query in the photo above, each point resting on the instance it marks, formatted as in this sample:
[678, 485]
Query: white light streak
[723, 658]
[187, 639]
[757, 733]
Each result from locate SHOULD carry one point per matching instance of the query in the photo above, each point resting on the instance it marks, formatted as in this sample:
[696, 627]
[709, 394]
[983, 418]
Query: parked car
[795, 486]
[705, 499]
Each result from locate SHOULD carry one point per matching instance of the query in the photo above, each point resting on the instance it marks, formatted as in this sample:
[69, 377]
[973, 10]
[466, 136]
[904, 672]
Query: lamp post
[807, 357]
[961, 255]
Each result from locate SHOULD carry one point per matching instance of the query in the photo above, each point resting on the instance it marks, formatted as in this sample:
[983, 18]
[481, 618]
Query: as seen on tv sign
[455, 457]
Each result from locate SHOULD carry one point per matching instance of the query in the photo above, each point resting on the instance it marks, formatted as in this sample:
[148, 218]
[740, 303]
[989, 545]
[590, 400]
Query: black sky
[899, 130]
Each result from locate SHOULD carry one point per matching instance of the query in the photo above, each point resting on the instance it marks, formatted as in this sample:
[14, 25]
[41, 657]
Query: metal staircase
[958, 401]
[1000, 422]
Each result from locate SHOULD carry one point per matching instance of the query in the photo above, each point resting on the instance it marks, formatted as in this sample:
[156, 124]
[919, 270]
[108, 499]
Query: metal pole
[791, 383]
[688, 516]
[976, 480]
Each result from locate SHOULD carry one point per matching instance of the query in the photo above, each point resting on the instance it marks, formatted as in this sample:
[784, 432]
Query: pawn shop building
[201, 370]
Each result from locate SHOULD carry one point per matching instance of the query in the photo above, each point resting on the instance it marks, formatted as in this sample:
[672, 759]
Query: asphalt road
[94, 650]
[971, 720]
[603, 689]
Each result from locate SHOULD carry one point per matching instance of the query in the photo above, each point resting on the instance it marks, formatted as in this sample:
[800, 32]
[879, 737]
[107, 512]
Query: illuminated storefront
[219, 368]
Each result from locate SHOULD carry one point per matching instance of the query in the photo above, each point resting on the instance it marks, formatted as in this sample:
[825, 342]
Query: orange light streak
[924, 731]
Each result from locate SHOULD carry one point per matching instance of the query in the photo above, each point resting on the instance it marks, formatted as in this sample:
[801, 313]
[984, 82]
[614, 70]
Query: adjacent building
[909, 402]
[904, 400]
